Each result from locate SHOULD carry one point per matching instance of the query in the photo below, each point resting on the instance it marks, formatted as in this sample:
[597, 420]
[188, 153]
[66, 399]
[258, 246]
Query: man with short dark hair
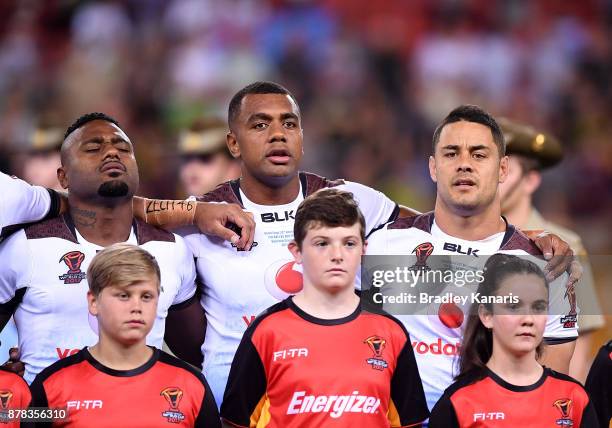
[266, 135]
[43, 280]
[467, 165]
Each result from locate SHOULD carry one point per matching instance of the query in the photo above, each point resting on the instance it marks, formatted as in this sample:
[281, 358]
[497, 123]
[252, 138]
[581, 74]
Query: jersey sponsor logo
[436, 348]
[277, 216]
[422, 251]
[84, 404]
[248, 320]
[289, 353]
[173, 396]
[282, 279]
[377, 346]
[450, 315]
[5, 401]
[456, 248]
[73, 260]
[63, 353]
[335, 405]
[490, 416]
[564, 406]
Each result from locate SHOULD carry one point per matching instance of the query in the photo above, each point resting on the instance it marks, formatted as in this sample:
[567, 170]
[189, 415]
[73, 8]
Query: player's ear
[486, 317]
[295, 251]
[92, 303]
[61, 177]
[432, 169]
[232, 145]
[503, 169]
[365, 247]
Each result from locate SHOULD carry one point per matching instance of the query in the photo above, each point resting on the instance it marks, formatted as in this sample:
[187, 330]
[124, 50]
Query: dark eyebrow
[289, 116]
[471, 148]
[260, 116]
[268, 118]
[327, 237]
[479, 147]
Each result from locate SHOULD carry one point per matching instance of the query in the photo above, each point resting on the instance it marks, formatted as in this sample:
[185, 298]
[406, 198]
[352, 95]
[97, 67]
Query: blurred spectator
[205, 159]
[40, 157]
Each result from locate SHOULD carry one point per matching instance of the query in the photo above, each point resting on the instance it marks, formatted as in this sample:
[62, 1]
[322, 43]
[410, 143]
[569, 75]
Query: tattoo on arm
[83, 218]
[168, 213]
[158, 206]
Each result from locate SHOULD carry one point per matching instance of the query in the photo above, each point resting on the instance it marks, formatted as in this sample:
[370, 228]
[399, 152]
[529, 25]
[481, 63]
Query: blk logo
[277, 216]
[455, 248]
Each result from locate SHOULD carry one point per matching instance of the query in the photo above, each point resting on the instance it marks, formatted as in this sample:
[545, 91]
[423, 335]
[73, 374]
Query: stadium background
[372, 79]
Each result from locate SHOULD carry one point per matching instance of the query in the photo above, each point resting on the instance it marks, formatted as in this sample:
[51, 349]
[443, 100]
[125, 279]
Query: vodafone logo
[283, 278]
[450, 315]
[436, 348]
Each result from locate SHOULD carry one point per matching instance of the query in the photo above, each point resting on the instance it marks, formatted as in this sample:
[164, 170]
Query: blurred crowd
[372, 79]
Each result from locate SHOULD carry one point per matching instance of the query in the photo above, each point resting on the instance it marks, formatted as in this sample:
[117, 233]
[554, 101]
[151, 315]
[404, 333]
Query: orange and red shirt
[14, 394]
[555, 400]
[294, 370]
[164, 392]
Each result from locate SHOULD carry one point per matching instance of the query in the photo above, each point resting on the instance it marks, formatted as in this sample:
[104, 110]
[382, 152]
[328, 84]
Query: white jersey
[436, 329]
[238, 285]
[21, 202]
[43, 279]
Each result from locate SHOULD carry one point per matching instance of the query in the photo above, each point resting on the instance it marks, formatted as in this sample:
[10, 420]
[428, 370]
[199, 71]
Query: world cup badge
[377, 346]
[173, 397]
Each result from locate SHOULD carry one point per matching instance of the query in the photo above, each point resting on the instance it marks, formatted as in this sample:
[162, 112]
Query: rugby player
[266, 135]
[42, 278]
[467, 165]
[320, 358]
